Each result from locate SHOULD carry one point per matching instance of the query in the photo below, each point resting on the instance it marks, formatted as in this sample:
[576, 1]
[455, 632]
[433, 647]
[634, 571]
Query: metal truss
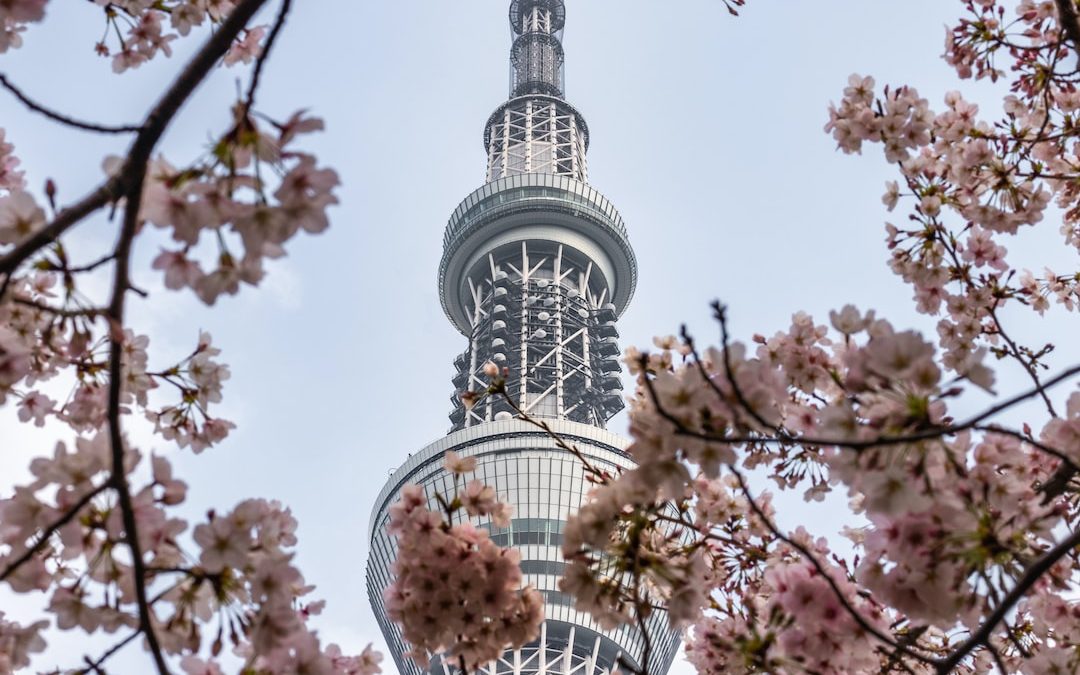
[555, 653]
[540, 310]
[536, 134]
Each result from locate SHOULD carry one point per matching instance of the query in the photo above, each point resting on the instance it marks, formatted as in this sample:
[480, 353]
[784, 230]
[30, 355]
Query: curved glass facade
[545, 484]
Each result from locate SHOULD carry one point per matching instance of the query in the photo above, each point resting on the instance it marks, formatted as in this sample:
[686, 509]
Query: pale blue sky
[706, 133]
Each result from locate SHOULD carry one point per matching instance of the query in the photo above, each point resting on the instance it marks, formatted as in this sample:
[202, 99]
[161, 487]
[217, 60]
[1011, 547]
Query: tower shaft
[536, 268]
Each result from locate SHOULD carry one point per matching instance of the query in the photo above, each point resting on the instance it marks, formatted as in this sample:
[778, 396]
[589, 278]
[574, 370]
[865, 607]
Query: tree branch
[133, 176]
[783, 436]
[51, 530]
[109, 191]
[95, 665]
[1032, 574]
[1029, 368]
[61, 118]
[150, 133]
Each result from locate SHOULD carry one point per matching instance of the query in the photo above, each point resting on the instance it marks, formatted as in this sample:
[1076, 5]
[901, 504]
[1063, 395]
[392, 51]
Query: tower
[536, 268]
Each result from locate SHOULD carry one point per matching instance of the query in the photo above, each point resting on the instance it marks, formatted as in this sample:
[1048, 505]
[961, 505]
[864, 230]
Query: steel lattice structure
[536, 269]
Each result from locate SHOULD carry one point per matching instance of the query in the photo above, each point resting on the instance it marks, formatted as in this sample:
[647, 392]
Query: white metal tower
[536, 268]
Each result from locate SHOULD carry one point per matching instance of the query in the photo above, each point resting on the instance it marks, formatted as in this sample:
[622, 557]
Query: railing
[521, 189]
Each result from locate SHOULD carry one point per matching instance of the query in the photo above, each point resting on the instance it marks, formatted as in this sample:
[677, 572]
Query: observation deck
[527, 207]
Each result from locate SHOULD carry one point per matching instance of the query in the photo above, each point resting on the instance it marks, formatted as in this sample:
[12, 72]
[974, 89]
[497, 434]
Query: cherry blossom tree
[95, 532]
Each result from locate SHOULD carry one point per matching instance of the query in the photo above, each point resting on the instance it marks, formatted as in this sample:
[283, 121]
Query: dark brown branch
[119, 481]
[499, 387]
[260, 62]
[783, 437]
[133, 176]
[51, 530]
[109, 191]
[1031, 576]
[61, 118]
[150, 133]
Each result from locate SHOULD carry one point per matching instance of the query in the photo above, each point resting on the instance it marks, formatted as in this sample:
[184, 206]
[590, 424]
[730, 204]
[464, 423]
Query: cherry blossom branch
[150, 133]
[812, 559]
[51, 530]
[61, 118]
[121, 283]
[1067, 462]
[133, 176]
[782, 436]
[499, 387]
[1031, 576]
[91, 266]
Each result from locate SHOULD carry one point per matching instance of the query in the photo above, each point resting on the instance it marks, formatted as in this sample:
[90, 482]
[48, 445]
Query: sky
[706, 132]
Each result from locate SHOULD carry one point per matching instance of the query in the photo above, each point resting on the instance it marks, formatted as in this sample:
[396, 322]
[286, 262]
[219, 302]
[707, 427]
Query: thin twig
[96, 664]
[260, 62]
[1029, 368]
[499, 387]
[88, 312]
[51, 530]
[60, 117]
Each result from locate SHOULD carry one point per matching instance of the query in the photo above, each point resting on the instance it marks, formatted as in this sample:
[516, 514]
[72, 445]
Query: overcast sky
[706, 133]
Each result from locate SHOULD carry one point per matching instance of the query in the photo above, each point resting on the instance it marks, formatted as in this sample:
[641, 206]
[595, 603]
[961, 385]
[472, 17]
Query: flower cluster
[228, 195]
[145, 35]
[456, 594]
[14, 15]
[17, 643]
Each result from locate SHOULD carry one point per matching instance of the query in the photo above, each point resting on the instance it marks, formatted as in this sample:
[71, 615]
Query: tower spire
[536, 131]
[537, 57]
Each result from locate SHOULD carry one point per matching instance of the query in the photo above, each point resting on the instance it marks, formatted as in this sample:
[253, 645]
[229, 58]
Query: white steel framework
[539, 310]
[562, 649]
[536, 134]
